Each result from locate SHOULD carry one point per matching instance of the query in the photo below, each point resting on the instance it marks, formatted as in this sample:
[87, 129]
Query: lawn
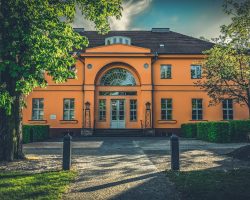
[45, 185]
[215, 185]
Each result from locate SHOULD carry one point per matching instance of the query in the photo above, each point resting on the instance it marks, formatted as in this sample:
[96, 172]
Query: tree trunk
[11, 132]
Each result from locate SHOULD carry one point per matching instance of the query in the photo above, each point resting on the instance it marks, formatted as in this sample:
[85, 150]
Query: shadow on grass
[212, 184]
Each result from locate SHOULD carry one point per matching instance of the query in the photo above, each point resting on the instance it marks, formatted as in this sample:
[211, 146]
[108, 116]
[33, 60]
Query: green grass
[46, 185]
[212, 185]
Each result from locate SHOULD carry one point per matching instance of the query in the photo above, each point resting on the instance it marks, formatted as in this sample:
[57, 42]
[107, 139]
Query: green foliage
[46, 185]
[202, 133]
[5, 99]
[36, 37]
[189, 130]
[239, 130]
[35, 133]
[214, 131]
[221, 132]
[226, 70]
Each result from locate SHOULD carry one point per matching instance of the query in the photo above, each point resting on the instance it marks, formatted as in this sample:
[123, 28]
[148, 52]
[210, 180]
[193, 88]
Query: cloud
[131, 8]
[81, 22]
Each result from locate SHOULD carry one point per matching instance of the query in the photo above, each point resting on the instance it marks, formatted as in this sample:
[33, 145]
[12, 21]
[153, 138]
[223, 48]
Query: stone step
[118, 132]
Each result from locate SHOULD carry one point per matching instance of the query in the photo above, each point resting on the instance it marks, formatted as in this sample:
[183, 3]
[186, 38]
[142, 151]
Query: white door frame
[118, 123]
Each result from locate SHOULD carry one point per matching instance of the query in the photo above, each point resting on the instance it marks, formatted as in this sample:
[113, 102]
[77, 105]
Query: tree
[226, 70]
[36, 37]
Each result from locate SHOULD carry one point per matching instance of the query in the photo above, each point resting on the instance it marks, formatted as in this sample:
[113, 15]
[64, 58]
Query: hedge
[214, 131]
[34, 133]
[189, 130]
[239, 129]
[222, 132]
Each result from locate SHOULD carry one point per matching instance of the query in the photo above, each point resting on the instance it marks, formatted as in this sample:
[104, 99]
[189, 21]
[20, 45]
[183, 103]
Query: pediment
[118, 48]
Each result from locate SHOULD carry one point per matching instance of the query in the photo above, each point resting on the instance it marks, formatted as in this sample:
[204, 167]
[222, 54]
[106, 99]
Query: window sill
[201, 120]
[68, 121]
[167, 121]
[32, 121]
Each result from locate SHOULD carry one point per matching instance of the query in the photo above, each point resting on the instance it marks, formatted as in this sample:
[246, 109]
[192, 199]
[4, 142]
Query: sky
[190, 17]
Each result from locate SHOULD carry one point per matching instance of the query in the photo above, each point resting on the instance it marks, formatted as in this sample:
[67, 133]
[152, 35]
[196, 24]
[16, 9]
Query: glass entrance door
[117, 113]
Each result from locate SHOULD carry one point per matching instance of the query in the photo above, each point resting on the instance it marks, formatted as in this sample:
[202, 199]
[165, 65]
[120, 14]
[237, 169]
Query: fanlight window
[118, 77]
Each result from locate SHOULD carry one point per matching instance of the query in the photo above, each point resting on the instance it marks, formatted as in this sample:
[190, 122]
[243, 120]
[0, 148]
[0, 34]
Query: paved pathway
[131, 168]
[116, 169]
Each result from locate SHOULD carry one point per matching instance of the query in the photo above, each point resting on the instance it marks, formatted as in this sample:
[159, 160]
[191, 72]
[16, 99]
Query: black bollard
[67, 152]
[175, 160]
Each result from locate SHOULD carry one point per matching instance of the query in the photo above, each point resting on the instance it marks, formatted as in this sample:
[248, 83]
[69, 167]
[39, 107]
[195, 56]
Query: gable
[118, 48]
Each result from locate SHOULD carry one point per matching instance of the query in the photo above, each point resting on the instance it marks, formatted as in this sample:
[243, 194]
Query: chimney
[160, 30]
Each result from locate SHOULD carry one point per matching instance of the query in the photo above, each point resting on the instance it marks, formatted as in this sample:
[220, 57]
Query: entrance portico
[118, 98]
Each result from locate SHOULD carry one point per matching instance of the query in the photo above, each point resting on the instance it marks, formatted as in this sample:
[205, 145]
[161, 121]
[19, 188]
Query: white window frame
[227, 109]
[133, 110]
[197, 71]
[69, 117]
[164, 70]
[196, 109]
[39, 109]
[102, 110]
[167, 109]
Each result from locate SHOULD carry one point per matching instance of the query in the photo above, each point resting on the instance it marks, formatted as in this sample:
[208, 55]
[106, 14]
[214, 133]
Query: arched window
[118, 77]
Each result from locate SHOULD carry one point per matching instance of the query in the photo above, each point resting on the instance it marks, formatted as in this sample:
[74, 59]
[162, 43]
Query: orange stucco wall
[149, 85]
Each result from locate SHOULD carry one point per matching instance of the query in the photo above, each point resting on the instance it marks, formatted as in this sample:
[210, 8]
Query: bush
[202, 133]
[34, 133]
[239, 130]
[229, 131]
[189, 130]
[214, 131]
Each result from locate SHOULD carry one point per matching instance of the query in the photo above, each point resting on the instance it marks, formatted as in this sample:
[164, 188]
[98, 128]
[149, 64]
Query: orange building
[137, 80]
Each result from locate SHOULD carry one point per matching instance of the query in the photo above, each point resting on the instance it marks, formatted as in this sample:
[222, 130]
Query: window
[227, 108]
[117, 40]
[37, 109]
[197, 109]
[166, 109]
[166, 71]
[68, 109]
[195, 71]
[117, 93]
[133, 110]
[118, 77]
[102, 109]
[73, 70]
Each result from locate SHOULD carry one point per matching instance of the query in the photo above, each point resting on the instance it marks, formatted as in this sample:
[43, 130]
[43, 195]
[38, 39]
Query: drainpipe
[83, 83]
[152, 80]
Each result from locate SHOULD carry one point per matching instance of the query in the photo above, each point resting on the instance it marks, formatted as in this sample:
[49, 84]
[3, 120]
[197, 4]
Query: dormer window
[117, 40]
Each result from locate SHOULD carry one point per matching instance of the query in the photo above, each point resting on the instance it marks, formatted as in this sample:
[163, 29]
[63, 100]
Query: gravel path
[125, 168]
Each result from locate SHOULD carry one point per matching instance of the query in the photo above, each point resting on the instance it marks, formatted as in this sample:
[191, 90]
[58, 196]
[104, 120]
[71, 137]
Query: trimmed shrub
[34, 133]
[214, 131]
[202, 133]
[239, 129]
[189, 130]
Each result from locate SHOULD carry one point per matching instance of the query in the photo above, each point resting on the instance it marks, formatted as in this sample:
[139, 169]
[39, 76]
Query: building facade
[141, 80]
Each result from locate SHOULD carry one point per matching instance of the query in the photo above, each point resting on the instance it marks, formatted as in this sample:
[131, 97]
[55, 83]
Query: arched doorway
[117, 98]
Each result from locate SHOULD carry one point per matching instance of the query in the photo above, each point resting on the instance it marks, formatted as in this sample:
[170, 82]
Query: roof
[174, 43]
